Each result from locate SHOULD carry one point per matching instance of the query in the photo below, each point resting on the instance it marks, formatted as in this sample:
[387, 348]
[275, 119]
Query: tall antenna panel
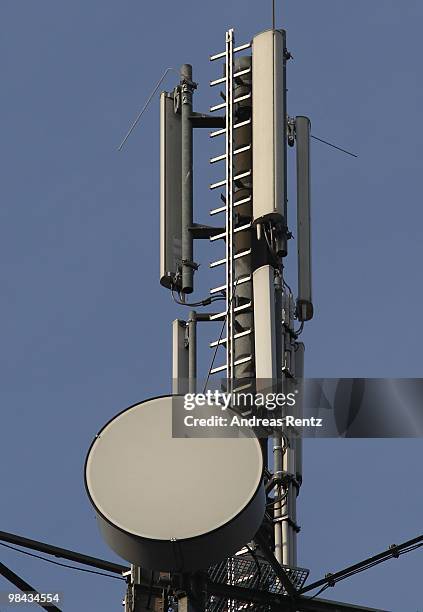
[264, 320]
[269, 126]
[170, 192]
[304, 300]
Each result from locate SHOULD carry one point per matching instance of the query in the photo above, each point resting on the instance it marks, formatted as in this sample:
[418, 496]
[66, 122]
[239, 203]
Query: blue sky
[85, 325]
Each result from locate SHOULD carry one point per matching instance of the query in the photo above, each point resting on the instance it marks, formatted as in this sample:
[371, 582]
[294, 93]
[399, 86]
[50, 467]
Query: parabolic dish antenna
[174, 504]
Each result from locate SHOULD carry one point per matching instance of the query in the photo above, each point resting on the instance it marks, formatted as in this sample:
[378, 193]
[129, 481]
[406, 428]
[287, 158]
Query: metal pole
[187, 87]
[277, 513]
[287, 454]
[62, 553]
[391, 553]
[187, 218]
[24, 586]
[277, 440]
[180, 356]
[192, 351]
[298, 442]
[299, 376]
[289, 530]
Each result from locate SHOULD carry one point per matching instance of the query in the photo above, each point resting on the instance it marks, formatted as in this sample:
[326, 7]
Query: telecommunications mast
[210, 523]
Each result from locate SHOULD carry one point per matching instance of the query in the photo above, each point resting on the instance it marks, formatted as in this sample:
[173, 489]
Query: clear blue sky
[85, 326]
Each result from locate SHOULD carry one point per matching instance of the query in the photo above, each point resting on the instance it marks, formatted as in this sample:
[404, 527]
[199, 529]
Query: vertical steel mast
[260, 341]
[260, 345]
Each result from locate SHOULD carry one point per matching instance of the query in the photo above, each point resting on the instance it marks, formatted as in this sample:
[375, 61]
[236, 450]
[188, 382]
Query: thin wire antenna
[144, 108]
[334, 146]
[273, 15]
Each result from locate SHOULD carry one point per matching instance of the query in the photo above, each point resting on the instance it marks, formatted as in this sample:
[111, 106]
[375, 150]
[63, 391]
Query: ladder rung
[241, 150]
[218, 158]
[241, 124]
[219, 315]
[223, 79]
[235, 127]
[243, 360]
[243, 387]
[242, 72]
[244, 279]
[219, 369]
[217, 289]
[242, 47]
[242, 175]
[220, 262]
[217, 237]
[243, 201]
[217, 81]
[236, 363]
[241, 98]
[219, 184]
[243, 307]
[217, 210]
[235, 101]
[222, 315]
[222, 54]
[217, 56]
[242, 254]
[224, 340]
[235, 178]
[241, 228]
[217, 133]
[217, 343]
[218, 107]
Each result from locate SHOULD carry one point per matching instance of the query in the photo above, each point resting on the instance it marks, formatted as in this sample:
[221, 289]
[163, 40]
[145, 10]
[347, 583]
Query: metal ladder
[229, 208]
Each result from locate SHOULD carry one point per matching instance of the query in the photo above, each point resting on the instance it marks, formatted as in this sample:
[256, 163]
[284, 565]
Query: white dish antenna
[174, 504]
